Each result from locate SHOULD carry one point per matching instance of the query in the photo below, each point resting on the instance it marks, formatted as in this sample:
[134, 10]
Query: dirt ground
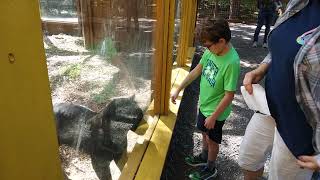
[188, 141]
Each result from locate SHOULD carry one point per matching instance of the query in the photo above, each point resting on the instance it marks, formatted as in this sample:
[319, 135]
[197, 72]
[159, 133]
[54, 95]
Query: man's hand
[309, 162]
[251, 78]
[210, 122]
[254, 77]
[174, 96]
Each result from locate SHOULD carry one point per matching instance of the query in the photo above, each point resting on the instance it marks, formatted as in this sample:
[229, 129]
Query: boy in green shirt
[219, 68]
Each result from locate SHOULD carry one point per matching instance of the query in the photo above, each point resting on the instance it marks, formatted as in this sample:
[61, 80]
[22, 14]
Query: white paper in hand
[257, 101]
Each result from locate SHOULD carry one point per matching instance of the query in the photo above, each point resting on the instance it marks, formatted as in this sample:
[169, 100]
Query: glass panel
[61, 9]
[99, 56]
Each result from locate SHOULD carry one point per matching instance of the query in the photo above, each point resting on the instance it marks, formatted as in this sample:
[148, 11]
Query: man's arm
[255, 76]
[191, 77]
[224, 103]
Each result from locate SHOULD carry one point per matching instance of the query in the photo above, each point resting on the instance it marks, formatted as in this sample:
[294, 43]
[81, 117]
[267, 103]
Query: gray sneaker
[265, 45]
[255, 44]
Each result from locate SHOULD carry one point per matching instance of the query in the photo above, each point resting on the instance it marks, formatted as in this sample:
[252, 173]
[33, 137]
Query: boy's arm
[224, 103]
[191, 77]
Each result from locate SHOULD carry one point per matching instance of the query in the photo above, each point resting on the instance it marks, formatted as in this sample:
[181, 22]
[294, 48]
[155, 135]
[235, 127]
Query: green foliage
[106, 48]
[107, 93]
[73, 71]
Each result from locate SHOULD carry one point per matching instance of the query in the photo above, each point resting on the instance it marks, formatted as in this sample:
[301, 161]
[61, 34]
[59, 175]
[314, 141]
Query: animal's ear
[132, 97]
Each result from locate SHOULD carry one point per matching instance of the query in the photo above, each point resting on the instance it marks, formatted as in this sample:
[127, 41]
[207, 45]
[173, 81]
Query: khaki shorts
[261, 137]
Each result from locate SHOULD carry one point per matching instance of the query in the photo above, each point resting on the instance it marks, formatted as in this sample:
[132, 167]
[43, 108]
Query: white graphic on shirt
[210, 72]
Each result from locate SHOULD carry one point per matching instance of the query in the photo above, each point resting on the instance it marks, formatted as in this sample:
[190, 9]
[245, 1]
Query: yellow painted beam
[169, 56]
[163, 55]
[188, 20]
[165, 52]
[29, 148]
[153, 160]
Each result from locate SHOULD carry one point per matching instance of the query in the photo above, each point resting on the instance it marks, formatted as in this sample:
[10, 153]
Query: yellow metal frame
[29, 147]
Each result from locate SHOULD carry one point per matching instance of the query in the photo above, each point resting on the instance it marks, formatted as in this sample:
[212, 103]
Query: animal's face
[126, 106]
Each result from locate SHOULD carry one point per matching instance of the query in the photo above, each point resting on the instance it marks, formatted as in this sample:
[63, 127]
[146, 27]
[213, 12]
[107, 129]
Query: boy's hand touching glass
[174, 96]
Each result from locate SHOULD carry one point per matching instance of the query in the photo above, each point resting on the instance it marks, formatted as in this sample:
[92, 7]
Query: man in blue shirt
[266, 15]
[292, 88]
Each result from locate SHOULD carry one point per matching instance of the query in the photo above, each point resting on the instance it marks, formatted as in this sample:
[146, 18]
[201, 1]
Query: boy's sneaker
[195, 161]
[204, 174]
[255, 44]
[265, 45]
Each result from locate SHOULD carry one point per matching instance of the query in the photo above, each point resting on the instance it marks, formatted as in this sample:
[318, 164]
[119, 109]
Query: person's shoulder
[206, 52]
[235, 58]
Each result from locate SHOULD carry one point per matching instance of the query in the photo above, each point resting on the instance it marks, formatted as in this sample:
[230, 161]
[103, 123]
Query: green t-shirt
[219, 74]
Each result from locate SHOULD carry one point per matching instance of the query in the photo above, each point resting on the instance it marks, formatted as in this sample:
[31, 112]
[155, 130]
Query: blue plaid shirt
[306, 72]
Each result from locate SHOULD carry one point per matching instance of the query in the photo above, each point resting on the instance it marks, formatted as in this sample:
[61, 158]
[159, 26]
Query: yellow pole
[188, 18]
[163, 57]
[29, 148]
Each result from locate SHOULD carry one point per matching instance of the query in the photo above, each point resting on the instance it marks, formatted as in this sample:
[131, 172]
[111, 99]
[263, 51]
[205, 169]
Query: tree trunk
[234, 10]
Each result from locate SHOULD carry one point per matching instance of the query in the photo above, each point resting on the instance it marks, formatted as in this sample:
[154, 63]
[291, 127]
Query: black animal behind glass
[103, 135]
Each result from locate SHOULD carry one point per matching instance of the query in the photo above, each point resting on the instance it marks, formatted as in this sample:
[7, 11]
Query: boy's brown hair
[214, 30]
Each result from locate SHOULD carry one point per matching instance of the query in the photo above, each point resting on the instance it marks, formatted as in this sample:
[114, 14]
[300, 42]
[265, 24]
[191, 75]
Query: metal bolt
[11, 58]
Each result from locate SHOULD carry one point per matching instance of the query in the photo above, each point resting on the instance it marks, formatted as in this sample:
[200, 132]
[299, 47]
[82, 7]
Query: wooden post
[163, 55]
[85, 20]
[188, 21]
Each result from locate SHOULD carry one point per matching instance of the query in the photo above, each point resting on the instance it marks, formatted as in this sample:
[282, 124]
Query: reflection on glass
[177, 25]
[99, 57]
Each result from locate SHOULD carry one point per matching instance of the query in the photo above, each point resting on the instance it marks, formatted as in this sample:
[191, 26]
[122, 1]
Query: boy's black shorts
[215, 134]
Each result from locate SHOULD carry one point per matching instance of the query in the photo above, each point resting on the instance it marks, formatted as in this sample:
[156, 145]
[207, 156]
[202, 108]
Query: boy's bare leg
[204, 153]
[252, 175]
[213, 149]
[204, 142]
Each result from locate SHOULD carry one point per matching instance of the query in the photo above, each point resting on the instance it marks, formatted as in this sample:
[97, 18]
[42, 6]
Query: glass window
[100, 65]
